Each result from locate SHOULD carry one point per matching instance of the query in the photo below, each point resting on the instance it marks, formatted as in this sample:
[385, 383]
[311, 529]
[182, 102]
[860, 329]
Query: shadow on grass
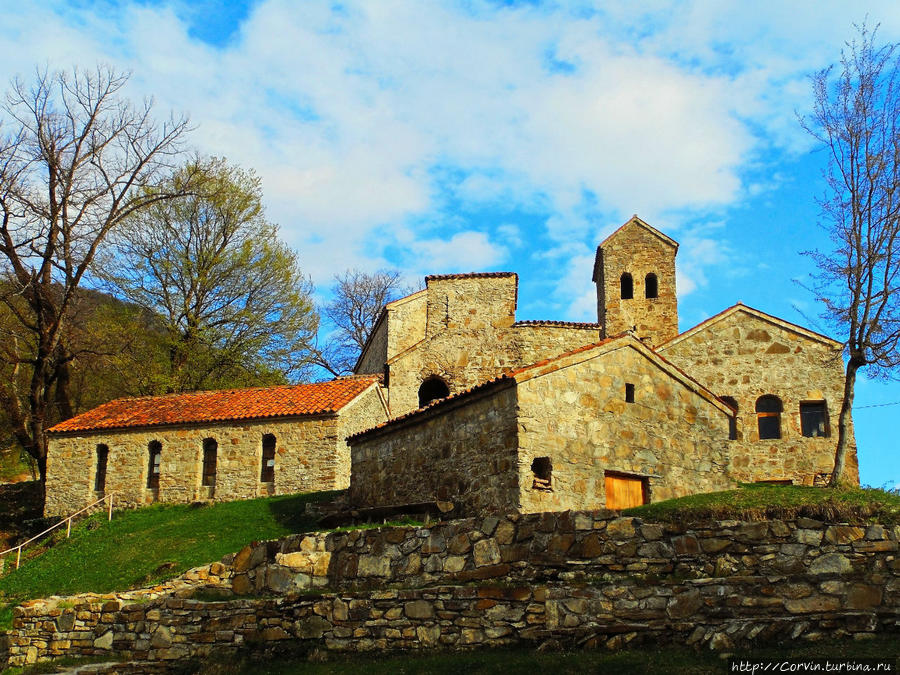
[291, 511]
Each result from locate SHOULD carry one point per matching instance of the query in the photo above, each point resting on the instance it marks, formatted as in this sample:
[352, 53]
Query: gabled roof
[544, 367]
[320, 398]
[768, 318]
[652, 230]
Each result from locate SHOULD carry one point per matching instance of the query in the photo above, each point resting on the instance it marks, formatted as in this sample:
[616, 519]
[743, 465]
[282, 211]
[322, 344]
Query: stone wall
[578, 417]
[571, 411]
[744, 355]
[400, 326]
[462, 329]
[466, 451]
[636, 250]
[311, 455]
[580, 579]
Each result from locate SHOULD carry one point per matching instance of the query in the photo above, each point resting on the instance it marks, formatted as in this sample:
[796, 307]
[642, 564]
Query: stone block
[843, 534]
[813, 603]
[374, 566]
[419, 609]
[684, 605]
[486, 552]
[830, 563]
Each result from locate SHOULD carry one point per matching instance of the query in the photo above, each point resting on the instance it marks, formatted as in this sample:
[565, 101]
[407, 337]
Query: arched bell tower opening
[635, 276]
[432, 389]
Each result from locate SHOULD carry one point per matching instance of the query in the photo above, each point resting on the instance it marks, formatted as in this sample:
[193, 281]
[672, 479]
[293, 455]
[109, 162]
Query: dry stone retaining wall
[589, 579]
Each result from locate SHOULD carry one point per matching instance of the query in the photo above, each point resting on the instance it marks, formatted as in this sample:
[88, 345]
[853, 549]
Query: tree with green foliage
[856, 120]
[75, 159]
[232, 302]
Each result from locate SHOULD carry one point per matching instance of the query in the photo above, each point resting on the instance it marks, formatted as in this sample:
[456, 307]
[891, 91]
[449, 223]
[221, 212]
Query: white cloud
[463, 252]
[348, 112]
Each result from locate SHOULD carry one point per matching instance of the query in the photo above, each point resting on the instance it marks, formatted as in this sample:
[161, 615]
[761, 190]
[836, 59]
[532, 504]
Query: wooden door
[623, 492]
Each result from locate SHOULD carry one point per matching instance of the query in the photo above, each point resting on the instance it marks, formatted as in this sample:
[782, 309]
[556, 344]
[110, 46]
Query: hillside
[143, 546]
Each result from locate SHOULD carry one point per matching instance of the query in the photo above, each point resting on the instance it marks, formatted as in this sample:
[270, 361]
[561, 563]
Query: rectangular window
[629, 393]
[102, 458]
[155, 449]
[210, 451]
[267, 474]
[813, 418]
[542, 470]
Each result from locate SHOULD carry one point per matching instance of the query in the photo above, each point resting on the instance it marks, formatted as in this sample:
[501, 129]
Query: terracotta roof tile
[562, 324]
[319, 398]
[469, 275]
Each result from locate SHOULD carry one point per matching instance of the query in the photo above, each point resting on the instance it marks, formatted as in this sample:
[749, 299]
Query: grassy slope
[759, 502]
[146, 545]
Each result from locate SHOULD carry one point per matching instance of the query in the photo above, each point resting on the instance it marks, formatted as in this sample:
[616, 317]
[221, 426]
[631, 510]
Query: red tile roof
[469, 275]
[320, 398]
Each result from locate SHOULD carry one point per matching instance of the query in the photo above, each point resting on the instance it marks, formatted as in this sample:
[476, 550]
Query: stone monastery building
[455, 400]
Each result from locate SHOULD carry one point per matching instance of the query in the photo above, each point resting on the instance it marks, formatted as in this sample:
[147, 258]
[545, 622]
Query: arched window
[210, 452]
[768, 416]
[732, 421]
[627, 286]
[267, 473]
[431, 390]
[155, 450]
[651, 286]
[100, 477]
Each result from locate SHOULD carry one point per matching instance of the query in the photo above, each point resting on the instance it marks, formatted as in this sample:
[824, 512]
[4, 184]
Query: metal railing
[65, 521]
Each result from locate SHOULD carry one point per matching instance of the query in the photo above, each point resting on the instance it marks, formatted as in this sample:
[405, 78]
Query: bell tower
[635, 275]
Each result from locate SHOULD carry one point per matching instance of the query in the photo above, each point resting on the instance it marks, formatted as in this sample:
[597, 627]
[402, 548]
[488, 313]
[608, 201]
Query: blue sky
[473, 135]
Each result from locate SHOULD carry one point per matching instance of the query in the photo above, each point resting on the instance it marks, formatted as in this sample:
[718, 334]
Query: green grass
[759, 502]
[645, 659]
[143, 546]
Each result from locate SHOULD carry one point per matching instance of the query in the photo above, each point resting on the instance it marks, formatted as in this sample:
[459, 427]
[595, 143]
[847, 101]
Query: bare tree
[75, 156]
[856, 119]
[358, 298]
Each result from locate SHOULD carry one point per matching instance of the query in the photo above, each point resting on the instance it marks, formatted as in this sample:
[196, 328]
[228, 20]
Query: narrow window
[210, 452]
[100, 478]
[813, 418]
[267, 475]
[651, 286]
[542, 468]
[431, 390]
[629, 392]
[155, 449]
[627, 286]
[732, 421]
[768, 416]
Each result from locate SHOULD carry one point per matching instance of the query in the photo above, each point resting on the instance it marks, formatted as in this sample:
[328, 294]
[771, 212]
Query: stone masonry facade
[310, 455]
[656, 420]
[587, 579]
[479, 449]
[745, 354]
[461, 332]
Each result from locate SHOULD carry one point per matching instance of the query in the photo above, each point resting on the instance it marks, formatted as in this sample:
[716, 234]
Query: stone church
[455, 400]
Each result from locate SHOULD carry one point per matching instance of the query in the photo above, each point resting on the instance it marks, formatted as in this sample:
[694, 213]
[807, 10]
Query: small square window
[629, 393]
[813, 419]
